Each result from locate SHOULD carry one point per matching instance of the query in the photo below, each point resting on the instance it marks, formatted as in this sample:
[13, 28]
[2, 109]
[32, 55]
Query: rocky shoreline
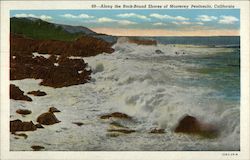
[60, 70]
[54, 72]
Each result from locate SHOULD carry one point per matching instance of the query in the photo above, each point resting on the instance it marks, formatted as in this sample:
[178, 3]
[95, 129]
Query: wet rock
[78, 123]
[142, 41]
[116, 115]
[188, 124]
[191, 125]
[67, 72]
[117, 125]
[17, 94]
[83, 46]
[25, 136]
[18, 125]
[47, 118]
[63, 76]
[157, 131]
[39, 126]
[37, 93]
[77, 64]
[23, 111]
[37, 147]
[106, 116]
[158, 51]
[53, 109]
[53, 58]
[116, 129]
[126, 131]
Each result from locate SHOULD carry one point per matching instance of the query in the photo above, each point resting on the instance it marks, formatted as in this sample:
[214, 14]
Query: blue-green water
[226, 41]
[220, 71]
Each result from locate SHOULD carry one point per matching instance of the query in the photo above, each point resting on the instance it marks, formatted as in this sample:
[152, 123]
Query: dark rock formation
[84, 46]
[158, 51]
[126, 131]
[116, 129]
[48, 118]
[53, 72]
[37, 147]
[156, 130]
[17, 94]
[142, 41]
[191, 125]
[69, 72]
[188, 124]
[18, 125]
[78, 123]
[37, 93]
[23, 111]
[116, 115]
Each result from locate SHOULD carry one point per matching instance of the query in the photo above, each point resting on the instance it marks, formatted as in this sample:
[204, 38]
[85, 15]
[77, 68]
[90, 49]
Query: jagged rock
[157, 131]
[158, 51]
[188, 124]
[116, 115]
[37, 147]
[23, 111]
[53, 109]
[83, 46]
[48, 118]
[37, 93]
[18, 125]
[17, 94]
[78, 123]
[66, 74]
[126, 131]
[142, 41]
[192, 125]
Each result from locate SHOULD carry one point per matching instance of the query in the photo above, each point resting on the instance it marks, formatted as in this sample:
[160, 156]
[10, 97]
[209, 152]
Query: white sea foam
[141, 83]
[35, 54]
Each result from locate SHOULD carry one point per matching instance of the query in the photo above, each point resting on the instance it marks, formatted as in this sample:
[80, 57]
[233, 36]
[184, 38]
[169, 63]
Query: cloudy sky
[164, 22]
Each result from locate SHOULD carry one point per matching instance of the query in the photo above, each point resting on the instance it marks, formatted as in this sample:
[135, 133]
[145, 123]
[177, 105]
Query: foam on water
[142, 83]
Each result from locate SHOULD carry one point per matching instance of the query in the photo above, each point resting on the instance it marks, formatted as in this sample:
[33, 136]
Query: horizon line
[165, 32]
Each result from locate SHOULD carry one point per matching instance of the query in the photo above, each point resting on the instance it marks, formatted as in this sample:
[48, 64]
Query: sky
[146, 22]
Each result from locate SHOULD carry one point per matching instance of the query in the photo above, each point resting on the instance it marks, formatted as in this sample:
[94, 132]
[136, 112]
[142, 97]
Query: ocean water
[156, 85]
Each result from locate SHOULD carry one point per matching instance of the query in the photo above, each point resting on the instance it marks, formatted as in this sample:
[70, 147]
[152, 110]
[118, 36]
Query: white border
[243, 154]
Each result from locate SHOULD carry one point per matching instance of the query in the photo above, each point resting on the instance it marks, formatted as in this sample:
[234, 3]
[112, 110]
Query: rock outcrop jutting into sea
[58, 70]
[84, 46]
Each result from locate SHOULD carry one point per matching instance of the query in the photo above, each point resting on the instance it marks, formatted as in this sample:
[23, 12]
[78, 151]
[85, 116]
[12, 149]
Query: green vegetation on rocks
[39, 29]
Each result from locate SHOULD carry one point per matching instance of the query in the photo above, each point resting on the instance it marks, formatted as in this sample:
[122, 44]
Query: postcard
[125, 80]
